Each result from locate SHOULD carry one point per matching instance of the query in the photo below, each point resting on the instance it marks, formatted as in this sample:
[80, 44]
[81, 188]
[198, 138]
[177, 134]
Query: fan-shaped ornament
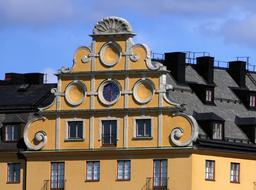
[112, 25]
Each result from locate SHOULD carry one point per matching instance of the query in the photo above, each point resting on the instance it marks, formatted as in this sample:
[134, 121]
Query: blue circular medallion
[110, 91]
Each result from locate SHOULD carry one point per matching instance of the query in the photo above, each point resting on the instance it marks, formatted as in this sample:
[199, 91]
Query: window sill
[73, 140]
[91, 180]
[210, 180]
[123, 179]
[235, 182]
[142, 138]
[15, 182]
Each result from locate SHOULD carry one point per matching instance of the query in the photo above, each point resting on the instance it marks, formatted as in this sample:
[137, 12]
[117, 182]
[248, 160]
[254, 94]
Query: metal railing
[191, 59]
[54, 185]
[109, 140]
[157, 183]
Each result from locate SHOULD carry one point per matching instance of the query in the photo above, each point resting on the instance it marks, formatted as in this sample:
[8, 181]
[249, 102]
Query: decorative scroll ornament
[64, 70]
[40, 137]
[112, 25]
[178, 132]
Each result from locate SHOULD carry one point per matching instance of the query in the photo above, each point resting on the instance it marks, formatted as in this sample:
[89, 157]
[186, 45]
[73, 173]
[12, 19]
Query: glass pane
[120, 169]
[127, 169]
[71, 129]
[80, 129]
[89, 170]
[140, 128]
[96, 170]
[148, 127]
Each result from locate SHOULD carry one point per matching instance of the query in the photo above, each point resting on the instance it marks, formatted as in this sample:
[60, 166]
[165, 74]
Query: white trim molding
[40, 136]
[66, 129]
[135, 127]
[117, 49]
[78, 84]
[178, 132]
[136, 86]
[100, 92]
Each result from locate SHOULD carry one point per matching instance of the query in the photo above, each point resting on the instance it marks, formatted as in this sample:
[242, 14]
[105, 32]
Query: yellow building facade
[112, 126]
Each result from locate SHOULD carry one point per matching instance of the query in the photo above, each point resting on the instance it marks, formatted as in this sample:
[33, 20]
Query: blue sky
[42, 35]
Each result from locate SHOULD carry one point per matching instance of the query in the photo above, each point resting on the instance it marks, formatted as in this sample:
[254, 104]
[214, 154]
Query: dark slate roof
[227, 104]
[12, 97]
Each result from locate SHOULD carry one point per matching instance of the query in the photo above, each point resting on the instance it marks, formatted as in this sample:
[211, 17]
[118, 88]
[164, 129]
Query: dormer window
[252, 101]
[209, 96]
[217, 131]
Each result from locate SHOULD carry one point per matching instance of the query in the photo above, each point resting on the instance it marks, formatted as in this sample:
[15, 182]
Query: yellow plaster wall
[78, 64]
[4, 172]
[222, 173]
[64, 143]
[179, 172]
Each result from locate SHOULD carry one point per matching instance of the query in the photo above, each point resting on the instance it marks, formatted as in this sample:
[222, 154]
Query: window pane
[96, 171]
[80, 129]
[127, 168]
[13, 172]
[120, 167]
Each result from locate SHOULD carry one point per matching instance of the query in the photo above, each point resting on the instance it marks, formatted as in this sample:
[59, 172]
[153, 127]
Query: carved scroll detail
[178, 132]
[40, 137]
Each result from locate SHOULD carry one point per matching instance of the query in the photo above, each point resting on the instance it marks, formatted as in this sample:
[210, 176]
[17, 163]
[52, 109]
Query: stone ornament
[178, 132]
[143, 91]
[112, 25]
[110, 54]
[40, 137]
[75, 93]
[109, 92]
[82, 55]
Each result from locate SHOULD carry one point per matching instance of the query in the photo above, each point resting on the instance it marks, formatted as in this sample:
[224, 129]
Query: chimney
[175, 62]
[204, 66]
[237, 71]
[34, 78]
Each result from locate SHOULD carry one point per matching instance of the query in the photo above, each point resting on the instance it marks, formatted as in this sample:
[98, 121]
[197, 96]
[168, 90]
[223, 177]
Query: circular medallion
[110, 54]
[143, 91]
[75, 93]
[109, 92]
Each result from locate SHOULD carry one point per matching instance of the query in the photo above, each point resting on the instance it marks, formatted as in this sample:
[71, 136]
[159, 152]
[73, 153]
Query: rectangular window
[123, 169]
[217, 131]
[143, 128]
[12, 132]
[234, 172]
[75, 129]
[209, 95]
[109, 132]
[209, 170]
[253, 101]
[13, 173]
[93, 171]
[57, 176]
[160, 179]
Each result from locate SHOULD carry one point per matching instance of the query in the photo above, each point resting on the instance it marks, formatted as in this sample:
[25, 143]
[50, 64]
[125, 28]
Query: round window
[75, 93]
[109, 92]
[143, 91]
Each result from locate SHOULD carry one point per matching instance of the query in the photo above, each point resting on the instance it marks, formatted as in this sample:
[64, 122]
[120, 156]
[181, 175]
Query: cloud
[36, 12]
[242, 31]
[49, 75]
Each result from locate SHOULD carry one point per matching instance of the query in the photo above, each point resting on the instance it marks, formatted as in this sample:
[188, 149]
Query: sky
[42, 35]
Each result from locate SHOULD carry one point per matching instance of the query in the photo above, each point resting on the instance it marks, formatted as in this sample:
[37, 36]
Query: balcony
[54, 184]
[157, 183]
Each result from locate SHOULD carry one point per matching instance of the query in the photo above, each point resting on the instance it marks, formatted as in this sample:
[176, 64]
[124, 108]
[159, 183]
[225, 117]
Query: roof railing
[191, 59]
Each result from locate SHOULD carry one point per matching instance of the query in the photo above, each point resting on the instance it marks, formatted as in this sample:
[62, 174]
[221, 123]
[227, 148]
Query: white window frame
[209, 95]
[234, 172]
[86, 168]
[252, 101]
[123, 171]
[217, 131]
[67, 130]
[109, 119]
[210, 170]
[13, 127]
[135, 127]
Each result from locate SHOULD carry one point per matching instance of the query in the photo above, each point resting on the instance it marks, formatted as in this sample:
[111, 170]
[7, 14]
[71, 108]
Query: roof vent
[23, 87]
